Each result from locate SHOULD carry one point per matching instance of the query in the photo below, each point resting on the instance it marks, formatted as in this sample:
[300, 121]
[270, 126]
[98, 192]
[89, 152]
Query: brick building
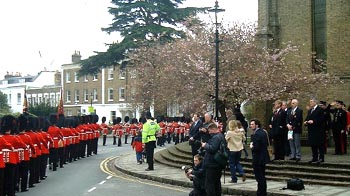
[105, 93]
[320, 28]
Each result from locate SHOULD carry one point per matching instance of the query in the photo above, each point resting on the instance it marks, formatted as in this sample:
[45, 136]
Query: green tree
[140, 23]
[4, 107]
[42, 109]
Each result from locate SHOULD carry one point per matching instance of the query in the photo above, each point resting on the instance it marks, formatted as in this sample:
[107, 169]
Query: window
[110, 73]
[34, 101]
[19, 98]
[86, 95]
[319, 35]
[76, 77]
[76, 99]
[69, 113]
[85, 78]
[122, 74]
[52, 100]
[40, 100]
[121, 94]
[9, 99]
[113, 115]
[95, 77]
[94, 93]
[68, 77]
[110, 94]
[68, 96]
[46, 98]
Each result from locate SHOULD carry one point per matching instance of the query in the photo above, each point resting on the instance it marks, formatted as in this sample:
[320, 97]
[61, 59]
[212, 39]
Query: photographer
[197, 175]
[212, 168]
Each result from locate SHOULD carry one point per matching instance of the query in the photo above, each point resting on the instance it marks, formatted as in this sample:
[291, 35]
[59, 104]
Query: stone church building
[320, 28]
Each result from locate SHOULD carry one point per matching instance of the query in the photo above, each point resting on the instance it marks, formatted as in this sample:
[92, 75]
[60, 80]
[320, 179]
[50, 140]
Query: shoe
[297, 159]
[317, 162]
[24, 190]
[147, 169]
[231, 181]
[321, 160]
[311, 161]
[62, 166]
[292, 159]
[244, 177]
[31, 185]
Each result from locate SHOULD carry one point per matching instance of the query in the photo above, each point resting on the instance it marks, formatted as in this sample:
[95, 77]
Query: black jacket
[199, 179]
[259, 150]
[211, 148]
[194, 130]
[295, 118]
[316, 133]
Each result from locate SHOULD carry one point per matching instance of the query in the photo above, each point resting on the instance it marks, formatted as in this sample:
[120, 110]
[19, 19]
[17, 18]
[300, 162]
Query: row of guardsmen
[172, 129]
[29, 143]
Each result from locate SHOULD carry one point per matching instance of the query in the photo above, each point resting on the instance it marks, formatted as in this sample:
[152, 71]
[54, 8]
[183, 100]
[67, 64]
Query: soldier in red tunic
[133, 129]
[45, 148]
[126, 129]
[57, 138]
[105, 129]
[24, 165]
[5, 148]
[8, 125]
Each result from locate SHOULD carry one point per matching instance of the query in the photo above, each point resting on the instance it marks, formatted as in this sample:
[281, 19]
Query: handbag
[269, 147]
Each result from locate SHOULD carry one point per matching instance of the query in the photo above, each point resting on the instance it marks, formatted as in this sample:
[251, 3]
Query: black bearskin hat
[126, 119]
[8, 123]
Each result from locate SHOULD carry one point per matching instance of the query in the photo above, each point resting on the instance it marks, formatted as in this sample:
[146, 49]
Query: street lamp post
[216, 10]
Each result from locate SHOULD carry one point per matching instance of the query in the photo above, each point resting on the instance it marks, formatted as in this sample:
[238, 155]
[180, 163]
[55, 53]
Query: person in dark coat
[197, 175]
[194, 134]
[260, 155]
[212, 167]
[278, 128]
[315, 122]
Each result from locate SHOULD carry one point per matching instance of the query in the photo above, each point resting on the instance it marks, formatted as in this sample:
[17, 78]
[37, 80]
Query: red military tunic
[56, 136]
[30, 146]
[13, 156]
[5, 148]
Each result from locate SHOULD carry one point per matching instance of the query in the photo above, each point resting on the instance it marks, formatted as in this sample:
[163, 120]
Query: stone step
[161, 157]
[281, 165]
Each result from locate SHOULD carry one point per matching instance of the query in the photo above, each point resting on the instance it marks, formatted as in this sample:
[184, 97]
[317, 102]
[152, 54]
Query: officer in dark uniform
[338, 125]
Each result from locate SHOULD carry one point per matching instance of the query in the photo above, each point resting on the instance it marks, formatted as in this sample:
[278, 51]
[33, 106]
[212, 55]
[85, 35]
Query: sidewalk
[170, 175]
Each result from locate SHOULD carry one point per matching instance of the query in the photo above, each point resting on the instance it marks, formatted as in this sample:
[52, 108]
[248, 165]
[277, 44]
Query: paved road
[91, 176]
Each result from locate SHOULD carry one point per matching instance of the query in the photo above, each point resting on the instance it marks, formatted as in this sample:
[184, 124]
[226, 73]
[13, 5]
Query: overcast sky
[41, 34]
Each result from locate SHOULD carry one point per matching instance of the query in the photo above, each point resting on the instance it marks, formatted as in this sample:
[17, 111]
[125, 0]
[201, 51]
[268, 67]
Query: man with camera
[197, 175]
[212, 168]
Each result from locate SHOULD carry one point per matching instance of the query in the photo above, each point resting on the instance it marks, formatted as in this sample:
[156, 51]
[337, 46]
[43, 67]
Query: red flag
[60, 105]
[25, 102]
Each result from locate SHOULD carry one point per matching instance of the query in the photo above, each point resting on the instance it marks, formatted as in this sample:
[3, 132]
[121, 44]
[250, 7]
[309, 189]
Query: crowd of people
[28, 143]
[322, 122]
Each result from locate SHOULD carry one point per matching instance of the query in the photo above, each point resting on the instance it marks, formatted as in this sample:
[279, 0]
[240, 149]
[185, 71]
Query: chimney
[76, 57]
[58, 78]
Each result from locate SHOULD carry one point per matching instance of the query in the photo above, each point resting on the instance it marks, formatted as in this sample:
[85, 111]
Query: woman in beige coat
[235, 139]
